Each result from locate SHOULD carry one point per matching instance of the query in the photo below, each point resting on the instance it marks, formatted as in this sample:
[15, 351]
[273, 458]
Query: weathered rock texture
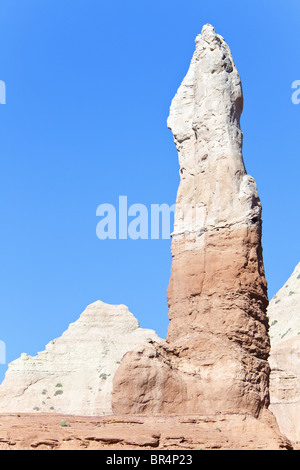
[43, 432]
[74, 374]
[215, 356]
[284, 314]
[284, 310]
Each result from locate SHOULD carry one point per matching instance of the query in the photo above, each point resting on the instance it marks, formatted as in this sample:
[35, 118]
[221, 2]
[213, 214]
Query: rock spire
[215, 355]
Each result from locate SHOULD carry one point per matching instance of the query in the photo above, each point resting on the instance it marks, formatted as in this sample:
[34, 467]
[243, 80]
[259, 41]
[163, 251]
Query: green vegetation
[284, 334]
[58, 392]
[63, 424]
[103, 376]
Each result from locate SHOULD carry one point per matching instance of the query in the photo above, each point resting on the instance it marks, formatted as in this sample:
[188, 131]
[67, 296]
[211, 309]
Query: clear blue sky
[89, 85]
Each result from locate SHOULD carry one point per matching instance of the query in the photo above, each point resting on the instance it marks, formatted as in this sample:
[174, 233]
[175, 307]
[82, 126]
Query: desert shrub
[103, 376]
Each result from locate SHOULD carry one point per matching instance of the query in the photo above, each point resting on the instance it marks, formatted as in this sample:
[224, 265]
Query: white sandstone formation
[284, 315]
[74, 374]
[284, 310]
[205, 121]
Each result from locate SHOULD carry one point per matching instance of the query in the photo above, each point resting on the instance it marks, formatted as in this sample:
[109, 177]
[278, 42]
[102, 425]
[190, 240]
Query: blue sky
[89, 85]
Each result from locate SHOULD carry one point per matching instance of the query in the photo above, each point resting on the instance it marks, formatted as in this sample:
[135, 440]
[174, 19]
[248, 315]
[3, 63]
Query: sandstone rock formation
[284, 310]
[57, 432]
[74, 374]
[284, 315]
[215, 356]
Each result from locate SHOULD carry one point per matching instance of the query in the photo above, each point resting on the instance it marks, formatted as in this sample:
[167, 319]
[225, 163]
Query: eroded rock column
[215, 355]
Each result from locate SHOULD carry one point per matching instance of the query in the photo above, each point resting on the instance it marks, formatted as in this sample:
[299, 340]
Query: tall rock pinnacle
[215, 355]
[217, 280]
[205, 121]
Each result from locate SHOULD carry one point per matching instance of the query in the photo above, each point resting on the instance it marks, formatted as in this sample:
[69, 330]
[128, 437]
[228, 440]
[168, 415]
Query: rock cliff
[284, 314]
[74, 374]
[215, 356]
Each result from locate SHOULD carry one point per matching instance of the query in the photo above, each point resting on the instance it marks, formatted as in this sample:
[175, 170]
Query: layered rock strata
[74, 374]
[284, 315]
[215, 356]
[113, 433]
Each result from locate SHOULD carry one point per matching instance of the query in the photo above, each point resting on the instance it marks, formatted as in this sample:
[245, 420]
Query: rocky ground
[62, 432]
